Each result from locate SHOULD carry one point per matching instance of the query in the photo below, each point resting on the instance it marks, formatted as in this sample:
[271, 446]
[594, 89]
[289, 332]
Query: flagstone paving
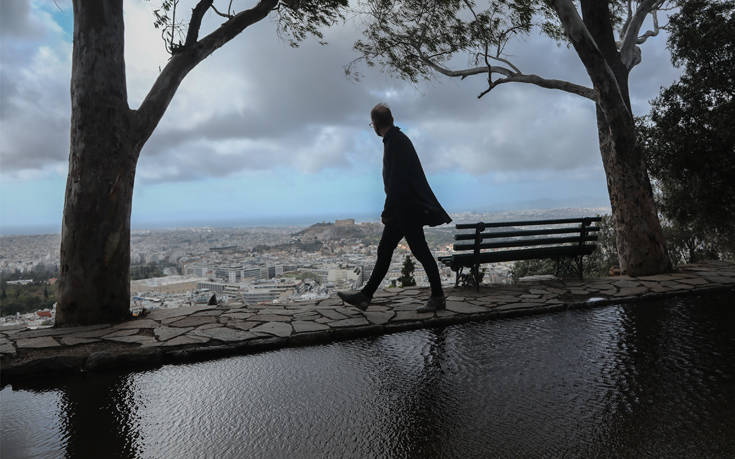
[194, 333]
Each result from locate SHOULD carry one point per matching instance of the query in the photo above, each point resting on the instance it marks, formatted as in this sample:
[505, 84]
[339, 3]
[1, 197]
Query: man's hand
[384, 219]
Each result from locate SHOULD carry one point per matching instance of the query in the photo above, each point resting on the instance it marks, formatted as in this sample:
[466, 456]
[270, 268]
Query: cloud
[257, 104]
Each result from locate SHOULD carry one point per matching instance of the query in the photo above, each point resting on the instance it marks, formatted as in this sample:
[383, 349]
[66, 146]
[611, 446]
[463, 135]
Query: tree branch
[219, 13]
[650, 33]
[156, 102]
[602, 76]
[628, 53]
[516, 77]
[192, 34]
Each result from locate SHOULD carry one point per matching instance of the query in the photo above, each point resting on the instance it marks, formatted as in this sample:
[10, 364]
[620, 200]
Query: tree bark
[94, 283]
[638, 234]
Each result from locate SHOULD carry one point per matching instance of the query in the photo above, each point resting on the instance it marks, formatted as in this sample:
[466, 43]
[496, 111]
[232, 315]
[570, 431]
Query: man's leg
[420, 249]
[392, 234]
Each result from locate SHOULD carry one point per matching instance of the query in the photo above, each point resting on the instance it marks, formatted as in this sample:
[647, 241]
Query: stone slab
[160, 314]
[94, 333]
[402, 316]
[53, 331]
[36, 343]
[632, 291]
[517, 306]
[211, 312]
[355, 322]
[7, 348]
[164, 333]
[193, 321]
[270, 318]
[274, 328]
[138, 323]
[74, 341]
[132, 339]
[464, 308]
[379, 317]
[331, 314]
[303, 326]
[125, 332]
[237, 315]
[186, 339]
[331, 302]
[696, 281]
[242, 325]
[226, 334]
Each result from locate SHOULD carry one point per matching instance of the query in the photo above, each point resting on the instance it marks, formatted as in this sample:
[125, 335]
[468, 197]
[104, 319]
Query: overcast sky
[262, 131]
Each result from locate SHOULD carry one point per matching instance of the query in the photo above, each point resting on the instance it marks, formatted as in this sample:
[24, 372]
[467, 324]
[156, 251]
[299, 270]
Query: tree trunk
[94, 283]
[639, 238]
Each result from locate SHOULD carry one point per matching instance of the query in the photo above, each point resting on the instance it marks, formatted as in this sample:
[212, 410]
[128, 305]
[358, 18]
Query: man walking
[409, 205]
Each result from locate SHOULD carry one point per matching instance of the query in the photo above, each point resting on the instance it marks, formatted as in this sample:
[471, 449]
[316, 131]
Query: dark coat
[408, 196]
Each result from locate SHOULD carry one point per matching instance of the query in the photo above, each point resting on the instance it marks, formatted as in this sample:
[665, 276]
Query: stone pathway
[202, 332]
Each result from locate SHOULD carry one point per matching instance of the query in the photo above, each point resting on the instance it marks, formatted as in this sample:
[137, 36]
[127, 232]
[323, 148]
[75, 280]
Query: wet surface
[654, 378]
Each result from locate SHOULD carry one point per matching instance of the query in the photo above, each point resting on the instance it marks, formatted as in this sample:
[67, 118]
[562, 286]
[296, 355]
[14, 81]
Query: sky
[264, 132]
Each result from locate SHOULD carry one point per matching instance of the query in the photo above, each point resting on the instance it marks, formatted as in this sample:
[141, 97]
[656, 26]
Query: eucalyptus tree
[419, 38]
[107, 134]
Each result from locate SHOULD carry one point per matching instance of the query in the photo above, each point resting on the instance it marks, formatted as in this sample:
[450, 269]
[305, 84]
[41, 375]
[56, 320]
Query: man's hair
[381, 116]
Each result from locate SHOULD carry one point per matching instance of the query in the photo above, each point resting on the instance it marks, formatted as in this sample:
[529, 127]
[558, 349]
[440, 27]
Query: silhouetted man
[409, 205]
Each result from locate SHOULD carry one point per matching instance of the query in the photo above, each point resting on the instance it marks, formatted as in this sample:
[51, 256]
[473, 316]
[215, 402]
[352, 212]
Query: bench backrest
[574, 231]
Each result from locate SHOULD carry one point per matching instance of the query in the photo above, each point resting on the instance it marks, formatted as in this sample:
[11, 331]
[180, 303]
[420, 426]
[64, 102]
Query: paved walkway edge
[147, 358]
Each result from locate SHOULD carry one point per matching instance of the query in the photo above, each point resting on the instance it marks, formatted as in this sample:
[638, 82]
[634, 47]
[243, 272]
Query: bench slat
[529, 222]
[469, 259]
[526, 242]
[538, 232]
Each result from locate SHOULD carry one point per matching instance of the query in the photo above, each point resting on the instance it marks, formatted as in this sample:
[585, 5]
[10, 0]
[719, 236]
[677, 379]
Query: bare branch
[517, 77]
[627, 48]
[507, 62]
[467, 72]
[196, 21]
[219, 13]
[650, 33]
[153, 107]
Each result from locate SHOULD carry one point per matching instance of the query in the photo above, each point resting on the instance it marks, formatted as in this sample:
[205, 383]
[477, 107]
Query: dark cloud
[258, 103]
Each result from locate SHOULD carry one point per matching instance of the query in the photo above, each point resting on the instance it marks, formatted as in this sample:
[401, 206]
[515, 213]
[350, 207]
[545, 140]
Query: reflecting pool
[654, 378]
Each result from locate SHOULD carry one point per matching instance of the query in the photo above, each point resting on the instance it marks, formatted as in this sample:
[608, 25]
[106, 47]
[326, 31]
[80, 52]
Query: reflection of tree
[99, 417]
[671, 378]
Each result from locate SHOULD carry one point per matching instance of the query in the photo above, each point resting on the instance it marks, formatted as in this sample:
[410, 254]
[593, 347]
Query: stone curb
[146, 358]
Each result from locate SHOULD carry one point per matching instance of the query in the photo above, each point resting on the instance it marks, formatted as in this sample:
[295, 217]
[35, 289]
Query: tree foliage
[297, 19]
[407, 270]
[416, 38]
[688, 136]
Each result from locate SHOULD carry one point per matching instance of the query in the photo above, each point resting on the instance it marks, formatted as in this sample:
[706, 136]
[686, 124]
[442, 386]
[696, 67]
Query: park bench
[560, 240]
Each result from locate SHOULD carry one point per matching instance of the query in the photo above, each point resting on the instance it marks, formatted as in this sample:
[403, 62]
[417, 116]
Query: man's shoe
[435, 303]
[358, 299]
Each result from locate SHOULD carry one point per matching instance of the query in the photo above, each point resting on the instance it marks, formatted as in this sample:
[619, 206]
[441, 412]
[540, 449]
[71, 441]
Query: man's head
[382, 119]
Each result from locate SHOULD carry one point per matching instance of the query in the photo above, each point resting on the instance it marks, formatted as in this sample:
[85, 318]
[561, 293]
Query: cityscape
[252, 265]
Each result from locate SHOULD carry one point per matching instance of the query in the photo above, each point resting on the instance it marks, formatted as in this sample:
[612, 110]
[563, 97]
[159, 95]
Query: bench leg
[476, 276]
[458, 276]
[580, 267]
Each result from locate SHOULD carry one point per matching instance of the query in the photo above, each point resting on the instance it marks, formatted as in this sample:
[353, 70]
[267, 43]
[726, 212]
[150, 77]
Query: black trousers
[392, 235]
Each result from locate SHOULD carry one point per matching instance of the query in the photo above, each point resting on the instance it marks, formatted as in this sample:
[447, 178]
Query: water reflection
[100, 417]
[655, 379]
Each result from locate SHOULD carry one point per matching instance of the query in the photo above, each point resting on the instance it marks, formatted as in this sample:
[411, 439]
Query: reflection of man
[409, 205]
